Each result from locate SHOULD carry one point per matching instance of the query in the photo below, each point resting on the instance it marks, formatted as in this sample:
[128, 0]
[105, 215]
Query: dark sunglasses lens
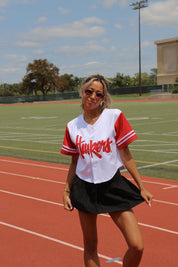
[88, 92]
[99, 95]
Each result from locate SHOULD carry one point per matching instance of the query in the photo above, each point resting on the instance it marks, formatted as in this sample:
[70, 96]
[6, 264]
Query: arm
[70, 178]
[130, 165]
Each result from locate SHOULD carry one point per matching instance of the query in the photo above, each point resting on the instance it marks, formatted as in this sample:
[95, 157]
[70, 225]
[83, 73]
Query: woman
[98, 142]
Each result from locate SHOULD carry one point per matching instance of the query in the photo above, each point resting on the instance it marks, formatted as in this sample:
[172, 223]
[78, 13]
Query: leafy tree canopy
[41, 75]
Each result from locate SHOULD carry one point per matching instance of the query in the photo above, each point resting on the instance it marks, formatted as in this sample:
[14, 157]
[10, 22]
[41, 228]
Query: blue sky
[82, 37]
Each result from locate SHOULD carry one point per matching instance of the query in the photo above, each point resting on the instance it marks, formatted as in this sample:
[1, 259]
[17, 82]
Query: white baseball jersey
[98, 145]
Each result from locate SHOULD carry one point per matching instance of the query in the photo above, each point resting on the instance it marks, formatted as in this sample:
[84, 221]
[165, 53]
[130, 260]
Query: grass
[36, 132]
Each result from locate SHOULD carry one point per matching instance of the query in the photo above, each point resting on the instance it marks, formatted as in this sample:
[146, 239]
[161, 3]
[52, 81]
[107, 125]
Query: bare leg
[88, 224]
[128, 224]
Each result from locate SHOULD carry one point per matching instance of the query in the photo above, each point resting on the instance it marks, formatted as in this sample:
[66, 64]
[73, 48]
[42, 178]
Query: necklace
[91, 119]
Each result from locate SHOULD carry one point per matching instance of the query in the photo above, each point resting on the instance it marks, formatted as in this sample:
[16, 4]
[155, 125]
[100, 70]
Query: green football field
[36, 132]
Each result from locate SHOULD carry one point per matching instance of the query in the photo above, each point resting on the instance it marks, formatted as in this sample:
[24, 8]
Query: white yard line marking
[29, 141]
[155, 141]
[39, 129]
[155, 151]
[106, 215]
[138, 118]
[157, 164]
[157, 122]
[53, 239]
[31, 177]
[156, 145]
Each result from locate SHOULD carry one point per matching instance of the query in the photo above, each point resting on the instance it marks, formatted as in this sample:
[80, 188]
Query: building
[167, 61]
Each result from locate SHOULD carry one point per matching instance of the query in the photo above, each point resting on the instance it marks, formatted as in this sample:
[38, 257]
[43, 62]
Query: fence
[75, 95]
[37, 98]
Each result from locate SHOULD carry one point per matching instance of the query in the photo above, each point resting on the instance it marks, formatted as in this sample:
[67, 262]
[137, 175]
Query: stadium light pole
[138, 5]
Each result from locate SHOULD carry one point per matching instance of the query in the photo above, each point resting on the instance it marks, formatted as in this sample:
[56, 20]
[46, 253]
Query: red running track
[36, 231]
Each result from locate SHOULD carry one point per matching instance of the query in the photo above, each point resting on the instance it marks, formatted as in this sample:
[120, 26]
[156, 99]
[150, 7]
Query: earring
[102, 104]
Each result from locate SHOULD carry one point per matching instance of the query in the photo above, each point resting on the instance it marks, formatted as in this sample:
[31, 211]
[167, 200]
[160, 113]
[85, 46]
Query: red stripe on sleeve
[124, 132]
[68, 147]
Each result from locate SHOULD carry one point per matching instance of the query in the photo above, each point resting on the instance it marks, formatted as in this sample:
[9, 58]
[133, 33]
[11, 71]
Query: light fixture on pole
[138, 5]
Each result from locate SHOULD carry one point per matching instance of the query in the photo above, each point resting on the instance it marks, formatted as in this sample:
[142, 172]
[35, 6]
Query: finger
[68, 206]
[150, 201]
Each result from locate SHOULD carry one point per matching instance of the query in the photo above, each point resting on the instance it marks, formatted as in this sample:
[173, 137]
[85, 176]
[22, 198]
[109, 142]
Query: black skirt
[117, 194]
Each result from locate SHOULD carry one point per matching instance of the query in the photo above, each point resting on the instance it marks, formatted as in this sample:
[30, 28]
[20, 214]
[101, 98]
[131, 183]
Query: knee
[90, 246]
[137, 248]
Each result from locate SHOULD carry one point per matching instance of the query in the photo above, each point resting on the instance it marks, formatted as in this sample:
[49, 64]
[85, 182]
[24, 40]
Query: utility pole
[138, 5]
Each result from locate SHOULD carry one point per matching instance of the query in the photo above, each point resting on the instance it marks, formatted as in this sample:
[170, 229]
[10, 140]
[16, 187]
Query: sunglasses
[90, 93]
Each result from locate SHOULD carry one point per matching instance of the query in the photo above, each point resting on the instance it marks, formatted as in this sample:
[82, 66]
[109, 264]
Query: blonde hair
[106, 103]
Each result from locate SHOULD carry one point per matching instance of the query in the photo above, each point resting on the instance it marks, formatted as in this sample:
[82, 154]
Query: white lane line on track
[106, 215]
[54, 181]
[33, 198]
[165, 202]
[170, 187]
[36, 165]
[158, 228]
[31, 177]
[151, 226]
[66, 169]
[151, 182]
[55, 203]
[52, 239]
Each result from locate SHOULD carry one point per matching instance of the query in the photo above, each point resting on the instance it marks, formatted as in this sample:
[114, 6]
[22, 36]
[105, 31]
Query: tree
[41, 75]
[64, 84]
[118, 80]
[153, 76]
[73, 82]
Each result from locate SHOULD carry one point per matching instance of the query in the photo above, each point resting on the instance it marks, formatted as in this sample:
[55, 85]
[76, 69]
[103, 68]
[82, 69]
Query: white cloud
[147, 44]
[15, 64]
[86, 49]
[10, 70]
[92, 20]
[42, 19]
[105, 41]
[64, 11]
[4, 3]
[118, 26]
[94, 6]
[123, 3]
[76, 29]
[16, 58]
[113, 49]
[109, 3]
[38, 52]
[93, 63]
[27, 44]
[161, 14]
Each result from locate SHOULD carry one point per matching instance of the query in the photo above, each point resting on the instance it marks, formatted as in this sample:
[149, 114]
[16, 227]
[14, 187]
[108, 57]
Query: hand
[67, 202]
[147, 196]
